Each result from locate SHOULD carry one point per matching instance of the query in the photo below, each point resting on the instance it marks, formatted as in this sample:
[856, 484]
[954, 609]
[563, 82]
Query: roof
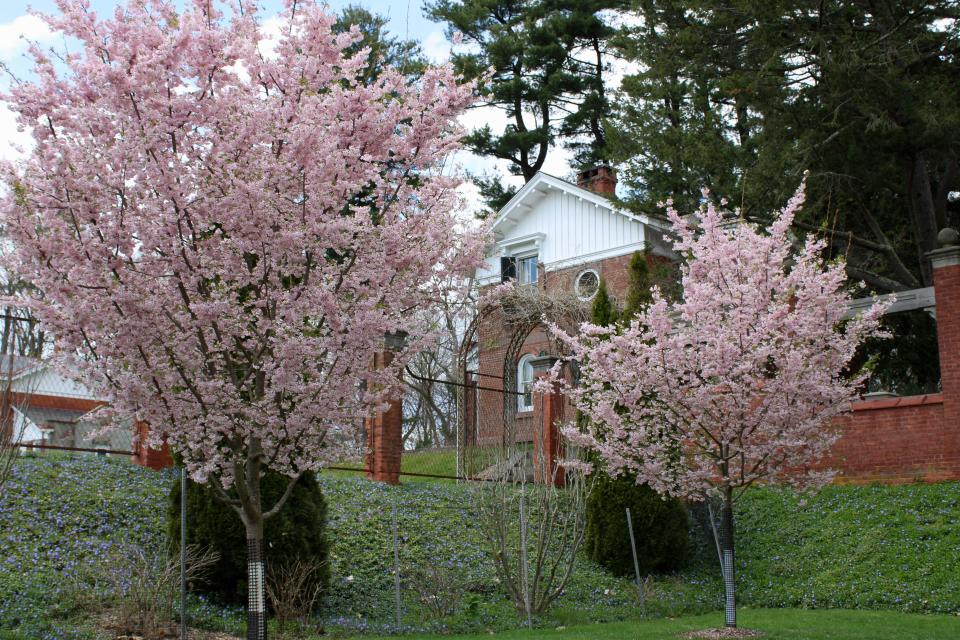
[17, 364]
[522, 202]
[42, 415]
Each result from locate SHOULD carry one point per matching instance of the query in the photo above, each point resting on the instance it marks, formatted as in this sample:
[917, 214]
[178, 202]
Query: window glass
[527, 268]
[587, 284]
[525, 383]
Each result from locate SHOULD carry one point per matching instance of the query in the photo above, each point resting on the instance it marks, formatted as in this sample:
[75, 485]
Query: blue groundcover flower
[850, 547]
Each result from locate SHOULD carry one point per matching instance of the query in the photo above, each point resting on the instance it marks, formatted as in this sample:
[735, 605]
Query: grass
[776, 624]
[432, 463]
[864, 547]
[886, 548]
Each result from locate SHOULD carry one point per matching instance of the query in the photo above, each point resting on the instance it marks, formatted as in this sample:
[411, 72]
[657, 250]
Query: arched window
[525, 383]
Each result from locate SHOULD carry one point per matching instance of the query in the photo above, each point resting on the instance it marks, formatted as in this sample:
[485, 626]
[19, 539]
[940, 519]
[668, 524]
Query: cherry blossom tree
[225, 225]
[734, 384]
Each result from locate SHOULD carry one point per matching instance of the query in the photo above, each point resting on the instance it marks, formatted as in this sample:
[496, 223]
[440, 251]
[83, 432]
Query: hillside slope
[868, 547]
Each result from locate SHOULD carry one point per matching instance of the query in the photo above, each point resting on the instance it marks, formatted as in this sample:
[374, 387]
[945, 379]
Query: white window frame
[524, 387]
[576, 284]
[521, 272]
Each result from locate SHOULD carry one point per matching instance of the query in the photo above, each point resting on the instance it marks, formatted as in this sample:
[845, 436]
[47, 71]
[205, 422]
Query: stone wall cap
[947, 255]
[948, 237]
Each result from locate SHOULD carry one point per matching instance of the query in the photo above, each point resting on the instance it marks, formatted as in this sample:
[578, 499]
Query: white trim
[541, 184]
[909, 300]
[522, 407]
[536, 239]
[586, 258]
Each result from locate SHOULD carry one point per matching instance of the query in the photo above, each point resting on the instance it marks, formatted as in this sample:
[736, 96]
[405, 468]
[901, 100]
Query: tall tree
[735, 383]
[742, 95]
[226, 235]
[548, 59]
[385, 51]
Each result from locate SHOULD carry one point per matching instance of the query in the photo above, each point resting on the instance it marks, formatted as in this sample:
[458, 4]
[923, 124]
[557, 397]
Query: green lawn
[776, 624]
[429, 462]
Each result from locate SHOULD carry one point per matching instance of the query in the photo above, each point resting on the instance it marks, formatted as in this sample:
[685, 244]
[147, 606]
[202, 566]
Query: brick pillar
[547, 444]
[385, 435]
[946, 281]
[552, 443]
[155, 459]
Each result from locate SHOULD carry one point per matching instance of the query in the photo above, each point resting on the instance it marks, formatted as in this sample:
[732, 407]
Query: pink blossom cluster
[735, 383]
[221, 235]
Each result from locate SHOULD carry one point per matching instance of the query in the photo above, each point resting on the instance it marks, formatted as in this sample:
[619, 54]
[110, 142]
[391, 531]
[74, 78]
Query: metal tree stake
[184, 479]
[396, 565]
[636, 565]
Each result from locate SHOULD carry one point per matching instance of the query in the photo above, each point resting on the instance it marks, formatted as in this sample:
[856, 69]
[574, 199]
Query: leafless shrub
[294, 589]
[523, 304]
[440, 585]
[143, 588]
[550, 519]
[14, 395]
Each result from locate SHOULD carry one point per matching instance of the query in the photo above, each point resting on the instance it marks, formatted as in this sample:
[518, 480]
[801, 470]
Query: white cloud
[12, 142]
[271, 29]
[436, 47]
[14, 35]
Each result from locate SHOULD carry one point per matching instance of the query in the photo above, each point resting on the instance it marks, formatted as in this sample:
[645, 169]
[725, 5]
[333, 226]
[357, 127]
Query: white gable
[565, 226]
[45, 380]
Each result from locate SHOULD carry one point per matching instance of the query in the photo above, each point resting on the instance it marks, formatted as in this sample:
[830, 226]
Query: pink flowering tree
[225, 226]
[734, 384]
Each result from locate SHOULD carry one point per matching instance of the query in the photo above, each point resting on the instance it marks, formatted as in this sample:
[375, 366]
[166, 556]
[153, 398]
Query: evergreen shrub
[660, 527]
[297, 532]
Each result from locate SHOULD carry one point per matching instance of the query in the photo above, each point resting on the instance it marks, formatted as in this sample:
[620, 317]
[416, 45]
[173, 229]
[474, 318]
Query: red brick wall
[915, 438]
[155, 459]
[385, 435]
[896, 440]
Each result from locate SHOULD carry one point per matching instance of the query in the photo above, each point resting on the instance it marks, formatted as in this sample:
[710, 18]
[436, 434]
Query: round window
[586, 284]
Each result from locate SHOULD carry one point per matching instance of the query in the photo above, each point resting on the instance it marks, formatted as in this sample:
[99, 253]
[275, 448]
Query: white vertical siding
[49, 382]
[574, 230]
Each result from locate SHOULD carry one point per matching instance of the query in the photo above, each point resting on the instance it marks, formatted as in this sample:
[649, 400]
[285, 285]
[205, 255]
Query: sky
[406, 17]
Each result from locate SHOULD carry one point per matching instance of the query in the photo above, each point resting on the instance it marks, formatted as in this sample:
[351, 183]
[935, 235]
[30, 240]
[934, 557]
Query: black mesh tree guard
[256, 603]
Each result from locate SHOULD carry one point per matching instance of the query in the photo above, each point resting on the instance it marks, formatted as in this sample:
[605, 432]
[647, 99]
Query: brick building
[561, 239]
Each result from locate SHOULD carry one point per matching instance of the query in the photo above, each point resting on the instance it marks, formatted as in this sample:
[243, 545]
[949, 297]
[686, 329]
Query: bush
[296, 533]
[660, 527]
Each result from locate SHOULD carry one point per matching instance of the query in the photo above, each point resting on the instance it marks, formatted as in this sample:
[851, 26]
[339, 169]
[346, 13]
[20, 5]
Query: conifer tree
[660, 526]
[604, 312]
[550, 61]
[638, 294]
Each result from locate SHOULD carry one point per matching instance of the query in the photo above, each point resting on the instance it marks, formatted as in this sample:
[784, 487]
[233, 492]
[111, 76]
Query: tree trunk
[726, 542]
[924, 215]
[256, 602]
[252, 516]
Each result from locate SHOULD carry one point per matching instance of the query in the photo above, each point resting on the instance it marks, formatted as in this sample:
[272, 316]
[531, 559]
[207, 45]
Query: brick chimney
[602, 180]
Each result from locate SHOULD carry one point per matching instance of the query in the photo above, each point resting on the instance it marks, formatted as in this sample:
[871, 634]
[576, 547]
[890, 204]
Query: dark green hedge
[660, 527]
[298, 531]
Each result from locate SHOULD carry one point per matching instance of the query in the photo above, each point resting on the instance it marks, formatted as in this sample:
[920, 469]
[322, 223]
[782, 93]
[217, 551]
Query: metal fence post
[183, 552]
[523, 554]
[396, 565]
[636, 565]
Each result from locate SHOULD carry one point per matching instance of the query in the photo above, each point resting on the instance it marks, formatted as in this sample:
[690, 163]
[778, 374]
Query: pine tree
[638, 295]
[384, 49]
[550, 59]
[863, 96]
